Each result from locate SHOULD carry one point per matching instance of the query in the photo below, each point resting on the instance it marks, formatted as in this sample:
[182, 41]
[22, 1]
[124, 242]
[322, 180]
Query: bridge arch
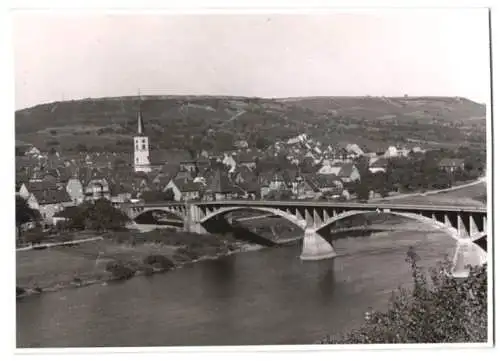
[452, 232]
[277, 212]
[173, 212]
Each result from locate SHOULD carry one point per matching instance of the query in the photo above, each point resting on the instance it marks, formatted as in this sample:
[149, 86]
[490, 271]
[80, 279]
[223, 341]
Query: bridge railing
[295, 203]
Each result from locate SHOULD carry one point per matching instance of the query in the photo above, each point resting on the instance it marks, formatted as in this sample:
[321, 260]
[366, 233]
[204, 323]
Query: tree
[24, 213]
[99, 216]
[362, 191]
[169, 195]
[262, 143]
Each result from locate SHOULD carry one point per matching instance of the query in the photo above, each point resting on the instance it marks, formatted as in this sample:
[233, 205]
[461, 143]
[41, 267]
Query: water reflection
[219, 277]
[326, 284]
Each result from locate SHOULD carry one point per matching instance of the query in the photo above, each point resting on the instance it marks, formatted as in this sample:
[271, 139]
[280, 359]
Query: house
[188, 165]
[328, 183]
[379, 151]
[307, 188]
[290, 177]
[184, 189]
[275, 182]
[247, 159]
[184, 175]
[74, 189]
[348, 172]
[34, 185]
[95, 189]
[160, 181]
[418, 150]
[220, 187]
[241, 144]
[316, 185]
[354, 149]
[378, 165]
[451, 164]
[250, 188]
[49, 201]
[120, 193]
[264, 180]
[229, 162]
[242, 174]
[393, 151]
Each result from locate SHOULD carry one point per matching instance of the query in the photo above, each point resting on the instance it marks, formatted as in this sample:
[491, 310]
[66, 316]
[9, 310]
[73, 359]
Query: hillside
[216, 122]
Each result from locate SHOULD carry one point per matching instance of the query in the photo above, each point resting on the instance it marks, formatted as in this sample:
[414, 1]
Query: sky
[63, 56]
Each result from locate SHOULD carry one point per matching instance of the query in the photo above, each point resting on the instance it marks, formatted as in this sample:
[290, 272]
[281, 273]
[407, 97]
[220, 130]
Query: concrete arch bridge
[467, 225]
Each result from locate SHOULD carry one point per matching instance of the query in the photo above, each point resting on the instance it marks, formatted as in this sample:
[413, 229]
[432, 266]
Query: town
[298, 168]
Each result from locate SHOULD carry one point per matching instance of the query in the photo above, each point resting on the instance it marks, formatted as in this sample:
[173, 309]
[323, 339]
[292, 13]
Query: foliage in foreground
[440, 310]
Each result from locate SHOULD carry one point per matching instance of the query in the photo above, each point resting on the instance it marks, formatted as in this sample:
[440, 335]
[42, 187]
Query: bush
[158, 261]
[445, 310]
[120, 270]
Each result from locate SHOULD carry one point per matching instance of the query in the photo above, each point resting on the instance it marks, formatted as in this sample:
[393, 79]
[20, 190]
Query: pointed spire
[140, 122]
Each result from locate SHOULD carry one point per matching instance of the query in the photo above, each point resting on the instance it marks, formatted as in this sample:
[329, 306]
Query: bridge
[467, 225]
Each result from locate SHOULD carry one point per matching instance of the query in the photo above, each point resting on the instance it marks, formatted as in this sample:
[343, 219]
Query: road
[428, 193]
[55, 244]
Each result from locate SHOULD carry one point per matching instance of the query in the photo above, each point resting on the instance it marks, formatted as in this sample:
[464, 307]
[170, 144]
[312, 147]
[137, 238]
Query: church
[142, 160]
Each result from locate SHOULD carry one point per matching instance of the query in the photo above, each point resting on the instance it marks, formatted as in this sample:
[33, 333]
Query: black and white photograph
[251, 178]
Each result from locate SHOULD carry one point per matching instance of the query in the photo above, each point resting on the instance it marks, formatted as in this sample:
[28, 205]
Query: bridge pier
[467, 253]
[315, 247]
[196, 227]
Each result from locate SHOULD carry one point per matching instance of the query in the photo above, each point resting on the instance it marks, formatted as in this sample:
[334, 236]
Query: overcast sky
[69, 56]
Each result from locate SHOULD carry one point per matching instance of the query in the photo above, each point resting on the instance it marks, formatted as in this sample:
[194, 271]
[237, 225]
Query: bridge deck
[325, 204]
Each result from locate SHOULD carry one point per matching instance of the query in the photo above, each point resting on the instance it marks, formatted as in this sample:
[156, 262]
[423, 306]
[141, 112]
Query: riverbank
[83, 264]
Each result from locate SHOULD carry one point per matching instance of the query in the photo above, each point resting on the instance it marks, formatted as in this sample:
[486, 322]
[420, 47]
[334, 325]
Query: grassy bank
[118, 255]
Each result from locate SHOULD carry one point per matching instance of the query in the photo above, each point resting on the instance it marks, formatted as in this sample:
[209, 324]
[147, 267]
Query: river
[262, 297]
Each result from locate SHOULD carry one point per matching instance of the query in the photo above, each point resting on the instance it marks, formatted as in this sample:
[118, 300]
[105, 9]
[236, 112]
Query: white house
[391, 152]
[379, 165]
[184, 189]
[348, 172]
[354, 149]
[229, 162]
[74, 189]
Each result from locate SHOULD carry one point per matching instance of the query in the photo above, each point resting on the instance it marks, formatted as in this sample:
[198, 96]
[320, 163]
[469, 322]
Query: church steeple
[140, 122]
[141, 145]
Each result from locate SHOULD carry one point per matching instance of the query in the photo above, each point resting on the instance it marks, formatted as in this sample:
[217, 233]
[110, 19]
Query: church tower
[141, 146]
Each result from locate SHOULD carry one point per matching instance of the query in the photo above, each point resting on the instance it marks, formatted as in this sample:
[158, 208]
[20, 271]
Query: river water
[262, 297]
